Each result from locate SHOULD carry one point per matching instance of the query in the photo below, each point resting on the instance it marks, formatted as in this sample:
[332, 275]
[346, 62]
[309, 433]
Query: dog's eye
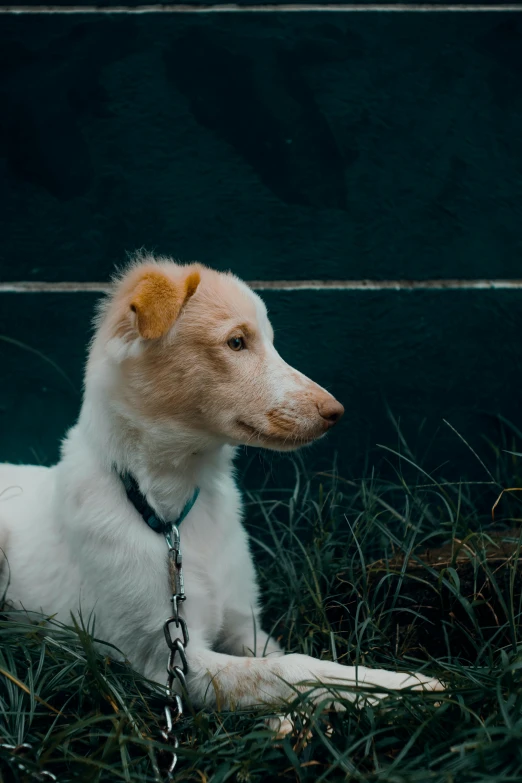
[236, 343]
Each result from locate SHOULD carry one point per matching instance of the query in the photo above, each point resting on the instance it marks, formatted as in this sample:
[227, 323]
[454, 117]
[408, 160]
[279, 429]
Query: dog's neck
[167, 461]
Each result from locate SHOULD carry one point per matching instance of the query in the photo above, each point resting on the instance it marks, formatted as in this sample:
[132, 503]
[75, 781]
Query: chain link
[174, 708]
[19, 751]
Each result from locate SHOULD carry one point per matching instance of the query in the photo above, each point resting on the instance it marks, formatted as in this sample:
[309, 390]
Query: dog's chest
[216, 561]
[126, 580]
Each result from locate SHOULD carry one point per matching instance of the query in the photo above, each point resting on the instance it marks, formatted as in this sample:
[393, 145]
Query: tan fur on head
[158, 301]
[203, 364]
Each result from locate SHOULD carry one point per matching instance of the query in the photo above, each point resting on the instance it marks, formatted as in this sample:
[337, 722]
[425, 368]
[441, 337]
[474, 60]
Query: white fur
[74, 543]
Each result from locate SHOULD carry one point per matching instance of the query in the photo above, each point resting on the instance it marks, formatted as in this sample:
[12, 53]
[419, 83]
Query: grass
[343, 577]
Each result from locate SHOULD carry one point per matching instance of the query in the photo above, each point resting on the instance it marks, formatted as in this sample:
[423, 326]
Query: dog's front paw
[350, 683]
[398, 681]
[281, 725]
[296, 724]
[420, 682]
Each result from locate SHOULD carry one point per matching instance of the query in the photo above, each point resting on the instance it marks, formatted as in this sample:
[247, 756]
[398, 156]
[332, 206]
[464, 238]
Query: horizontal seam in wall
[282, 8]
[34, 287]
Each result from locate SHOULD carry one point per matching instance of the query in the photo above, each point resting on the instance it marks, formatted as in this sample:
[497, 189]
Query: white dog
[181, 370]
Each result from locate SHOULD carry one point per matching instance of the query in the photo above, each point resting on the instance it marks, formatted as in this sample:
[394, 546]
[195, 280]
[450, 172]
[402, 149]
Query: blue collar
[138, 500]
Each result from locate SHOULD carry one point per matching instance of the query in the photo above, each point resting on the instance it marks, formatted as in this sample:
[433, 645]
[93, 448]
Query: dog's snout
[330, 410]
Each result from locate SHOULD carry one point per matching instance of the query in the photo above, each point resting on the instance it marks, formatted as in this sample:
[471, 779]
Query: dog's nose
[330, 410]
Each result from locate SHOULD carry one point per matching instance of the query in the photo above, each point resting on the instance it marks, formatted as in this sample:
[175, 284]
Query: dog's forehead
[257, 309]
[253, 303]
[240, 301]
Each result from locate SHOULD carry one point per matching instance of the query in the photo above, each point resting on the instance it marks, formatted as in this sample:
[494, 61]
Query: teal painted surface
[245, 3]
[286, 146]
[426, 355]
[281, 145]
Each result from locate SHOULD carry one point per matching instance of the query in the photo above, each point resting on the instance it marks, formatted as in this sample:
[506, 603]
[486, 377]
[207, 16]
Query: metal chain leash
[174, 708]
[19, 751]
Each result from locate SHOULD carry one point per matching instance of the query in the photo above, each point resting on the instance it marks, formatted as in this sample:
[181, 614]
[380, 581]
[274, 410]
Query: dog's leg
[241, 631]
[4, 570]
[224, 681]
[242, 635]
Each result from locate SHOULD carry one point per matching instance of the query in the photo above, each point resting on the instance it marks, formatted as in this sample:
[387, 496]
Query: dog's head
[192, 347]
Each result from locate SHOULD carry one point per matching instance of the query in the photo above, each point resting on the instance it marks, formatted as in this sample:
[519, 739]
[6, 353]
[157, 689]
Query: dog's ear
[158, 300]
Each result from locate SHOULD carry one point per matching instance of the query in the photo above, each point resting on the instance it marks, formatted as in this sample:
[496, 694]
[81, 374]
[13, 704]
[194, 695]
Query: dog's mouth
[287, 441]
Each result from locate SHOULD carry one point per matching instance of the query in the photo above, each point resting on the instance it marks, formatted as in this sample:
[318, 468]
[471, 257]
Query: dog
[181, 371]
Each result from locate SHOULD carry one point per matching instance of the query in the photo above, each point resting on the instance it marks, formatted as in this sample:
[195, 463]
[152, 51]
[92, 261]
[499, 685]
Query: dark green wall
[245, 4]
[425, 355]
[285, 146]
[297, 146]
